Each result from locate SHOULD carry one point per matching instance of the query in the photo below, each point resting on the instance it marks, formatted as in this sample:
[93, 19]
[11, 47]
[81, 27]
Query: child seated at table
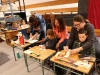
[23, 22]
[50, 41]
[85, 54]
[24, 25]
[37, 33]
[15, 26]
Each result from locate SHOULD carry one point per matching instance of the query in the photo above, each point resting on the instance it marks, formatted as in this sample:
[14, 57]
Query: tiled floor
[18, 67]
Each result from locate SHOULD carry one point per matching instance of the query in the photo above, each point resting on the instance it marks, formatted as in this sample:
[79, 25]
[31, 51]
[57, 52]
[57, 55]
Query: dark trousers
[97, 49]
[62, 44]
[59, 71]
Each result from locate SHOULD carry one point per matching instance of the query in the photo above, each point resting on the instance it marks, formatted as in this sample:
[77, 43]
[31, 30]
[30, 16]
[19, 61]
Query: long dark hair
[61, 21]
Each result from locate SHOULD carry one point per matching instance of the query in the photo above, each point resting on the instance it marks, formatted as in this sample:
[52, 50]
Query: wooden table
[44, 54]
[68, 66]
[10, 34]
[20, 47]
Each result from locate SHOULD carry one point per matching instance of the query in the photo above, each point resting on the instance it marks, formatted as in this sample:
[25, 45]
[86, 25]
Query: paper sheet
[28, 51]
[57, 54]
[67, 54]
[31, 41]
[82, 64]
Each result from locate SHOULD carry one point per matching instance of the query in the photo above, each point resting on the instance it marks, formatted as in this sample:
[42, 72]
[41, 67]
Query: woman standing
[60, 30]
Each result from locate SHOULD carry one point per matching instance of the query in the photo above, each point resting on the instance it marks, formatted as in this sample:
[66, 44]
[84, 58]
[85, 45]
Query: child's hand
[65, 48]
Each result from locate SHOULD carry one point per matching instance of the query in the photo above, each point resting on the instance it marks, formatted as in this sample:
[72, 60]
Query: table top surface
[21, 46]
[11, 31]
[74, 58]
[43, 53]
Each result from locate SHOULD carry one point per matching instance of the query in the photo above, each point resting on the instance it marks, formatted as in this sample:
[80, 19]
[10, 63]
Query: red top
[62, 35]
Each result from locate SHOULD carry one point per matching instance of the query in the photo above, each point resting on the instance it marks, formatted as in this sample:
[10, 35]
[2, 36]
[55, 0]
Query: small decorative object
[18, 55]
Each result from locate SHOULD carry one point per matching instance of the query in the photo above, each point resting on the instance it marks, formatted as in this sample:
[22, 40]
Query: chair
[24, 32]
[98, 65]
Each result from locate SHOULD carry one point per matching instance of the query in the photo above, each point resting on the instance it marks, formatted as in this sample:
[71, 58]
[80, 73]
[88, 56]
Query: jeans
[97, 49]
[43, 27]
[62, 44]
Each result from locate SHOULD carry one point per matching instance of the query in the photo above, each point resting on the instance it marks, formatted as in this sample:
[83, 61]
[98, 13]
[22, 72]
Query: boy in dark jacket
[82, 35]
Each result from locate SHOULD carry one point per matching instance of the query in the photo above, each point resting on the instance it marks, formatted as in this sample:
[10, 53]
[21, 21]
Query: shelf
[7, 2]
[12, 19]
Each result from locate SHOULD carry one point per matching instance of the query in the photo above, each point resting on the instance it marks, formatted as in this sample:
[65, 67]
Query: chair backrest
[24, 32]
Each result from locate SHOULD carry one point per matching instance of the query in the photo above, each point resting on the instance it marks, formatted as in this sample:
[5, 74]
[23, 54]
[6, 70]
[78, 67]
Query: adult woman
[60, 30]
[79, 23]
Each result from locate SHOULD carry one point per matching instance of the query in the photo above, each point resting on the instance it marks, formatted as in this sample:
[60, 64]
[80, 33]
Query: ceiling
[28, 2]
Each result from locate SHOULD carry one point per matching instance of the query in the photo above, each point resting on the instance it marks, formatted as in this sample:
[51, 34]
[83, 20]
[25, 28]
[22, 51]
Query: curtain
[94, 13]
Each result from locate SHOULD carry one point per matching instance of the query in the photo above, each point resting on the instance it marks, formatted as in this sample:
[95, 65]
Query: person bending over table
[79, 23]
[37, 33]
[82, 38]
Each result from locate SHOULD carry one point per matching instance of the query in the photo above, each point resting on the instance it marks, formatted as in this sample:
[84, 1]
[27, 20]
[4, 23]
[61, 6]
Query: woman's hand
[75, 51]
[87, 58]
[30, 35]
[57, 45]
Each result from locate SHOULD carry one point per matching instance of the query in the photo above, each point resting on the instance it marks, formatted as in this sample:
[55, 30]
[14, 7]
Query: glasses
[76, 25]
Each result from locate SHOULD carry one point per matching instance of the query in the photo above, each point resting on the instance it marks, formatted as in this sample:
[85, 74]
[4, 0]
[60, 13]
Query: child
[37, 33]
[50, 41]
[86, 54]
[23, 22]
[15, 26]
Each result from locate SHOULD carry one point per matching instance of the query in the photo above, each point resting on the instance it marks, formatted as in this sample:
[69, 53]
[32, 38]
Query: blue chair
[24, 32]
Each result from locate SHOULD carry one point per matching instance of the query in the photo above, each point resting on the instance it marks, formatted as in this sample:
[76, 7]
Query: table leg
[26, 63]
[14, 53]
[43, 67]
[24, 56]
[54, 68]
